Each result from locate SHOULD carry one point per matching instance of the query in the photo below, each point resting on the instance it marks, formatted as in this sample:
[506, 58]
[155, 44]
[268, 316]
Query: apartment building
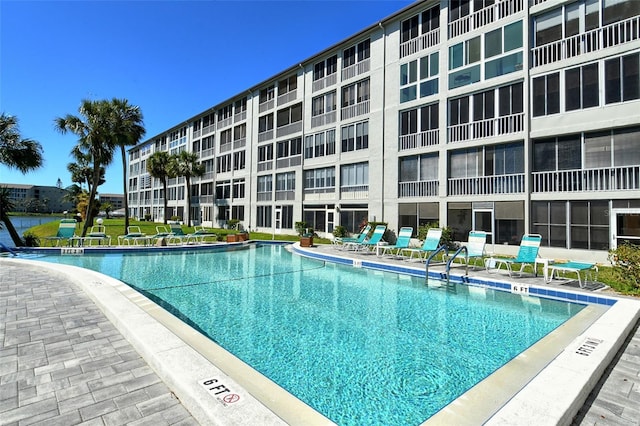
[512, 117]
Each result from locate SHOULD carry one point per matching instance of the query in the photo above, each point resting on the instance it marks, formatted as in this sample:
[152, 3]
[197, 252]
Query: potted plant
[306, 240]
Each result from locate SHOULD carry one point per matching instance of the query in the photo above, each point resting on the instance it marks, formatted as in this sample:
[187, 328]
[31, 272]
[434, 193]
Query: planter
[243, 236]
[306, 241]
[232, 238]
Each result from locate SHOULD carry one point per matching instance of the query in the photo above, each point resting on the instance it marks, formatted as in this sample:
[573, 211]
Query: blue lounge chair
[133, 236]
[177, 235]
[527, 255]
[431, 243]
[574, 267]
[371, 243]
[474, 248]
[66, 231]
[341, 241]
[403, 241]
[97, 233]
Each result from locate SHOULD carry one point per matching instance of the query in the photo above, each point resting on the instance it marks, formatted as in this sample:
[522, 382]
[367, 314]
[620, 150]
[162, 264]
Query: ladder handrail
[466, 263]
[431, 256]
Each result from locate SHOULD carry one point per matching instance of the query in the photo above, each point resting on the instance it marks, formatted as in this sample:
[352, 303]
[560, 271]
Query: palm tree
[19, 153]
[159, 167]
[93, 128]
[128, 130]
[186, 164]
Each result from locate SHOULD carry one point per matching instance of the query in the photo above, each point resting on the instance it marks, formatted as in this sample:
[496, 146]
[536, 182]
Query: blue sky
[174, 59]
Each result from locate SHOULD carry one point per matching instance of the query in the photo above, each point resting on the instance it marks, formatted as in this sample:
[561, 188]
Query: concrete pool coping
[183, 358]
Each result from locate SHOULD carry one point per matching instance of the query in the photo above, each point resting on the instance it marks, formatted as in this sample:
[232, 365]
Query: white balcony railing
[285, 195]
[423, 188]
[354, 192]
[225, 122]
[418, 140]
[197, 133]
[240, 116]
[354, 110]
[323, 119]
[591, 41]
[209, 152]
[356, 69]
[485, 16]
[265, 165]
[264, 196]
[409, 47]
[323, 82]
[266, 105]
[208, 129]
[508, 124]
[587, 180]
[285, 162]
[225, 147]
[239, 143]
[265, 136]
[486, 185]
[287, 97]
[289, 129]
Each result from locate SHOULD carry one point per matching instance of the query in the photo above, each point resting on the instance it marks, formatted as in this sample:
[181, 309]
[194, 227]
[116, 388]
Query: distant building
[116, 200]
[37, 199]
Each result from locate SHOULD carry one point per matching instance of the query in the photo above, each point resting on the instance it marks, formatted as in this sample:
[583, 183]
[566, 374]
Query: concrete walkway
[63, 363]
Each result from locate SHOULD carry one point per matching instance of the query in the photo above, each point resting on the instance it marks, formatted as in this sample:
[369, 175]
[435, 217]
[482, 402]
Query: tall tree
[19, 153]
[93, 127]
[159, 166]
[128, 130]
[186, 164]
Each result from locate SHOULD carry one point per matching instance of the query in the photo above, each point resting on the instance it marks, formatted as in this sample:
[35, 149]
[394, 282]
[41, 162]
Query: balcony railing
[289, 129]
[264, 196]
[354, 110]
[422, 42]
[207, 153]
[224, 147]
[266, 105]
[265, 136]
[327, 81]
[197, 133]
[591, 41]
[240, 116]
[354, 192]
[239, 143]
[225, 122]
[288, 162]
[356, 69]
[206, 199]
[485, 16]
[587, 180]
[418, 140]
[323, 119]
[287, 97]
[486, 185]
[423, 188]
[486, 128]
[285, 195]
[265, 165]
[318, 194]
[208, 129]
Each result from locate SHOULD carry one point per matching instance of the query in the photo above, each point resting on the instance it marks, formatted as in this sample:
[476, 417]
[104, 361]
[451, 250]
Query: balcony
[354, 192]
[418, 140]
[239, 143]
[265, 136]
[285, 195]
[323, 119]
[206, 153]
[484, 16]
[600, 38]
[423, 188]
[266, 105]
[287, 97]
[264, 196]
[430, 39]
[288, 162]
[354, 110]
[327, 81]
[486, 185]
[240, 116]
[208, 129]
[356, 69]
[289, 129]
[588, 180]
[320, 194]
[225, 147]
[197, 133]
[225, 122]
[265, 165]
[509, 124]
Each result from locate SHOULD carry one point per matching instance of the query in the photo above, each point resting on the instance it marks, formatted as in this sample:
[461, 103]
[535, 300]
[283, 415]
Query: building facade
[512, 117]
[37, 198]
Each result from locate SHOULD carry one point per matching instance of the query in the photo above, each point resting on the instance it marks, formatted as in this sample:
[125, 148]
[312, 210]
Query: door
[625, 227]
[330, 220]
[278, 221]
[483, 221]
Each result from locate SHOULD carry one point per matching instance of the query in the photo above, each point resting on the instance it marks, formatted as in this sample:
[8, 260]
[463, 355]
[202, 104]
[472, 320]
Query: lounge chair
[475, 246]
[200, 233]
[431, 243]
[133, 236]
[371, 243]
[161, 232]
[177, 235]
[527, 255]
[66, 231]
[341, 241]
[574, 267]
[97, 233]
[403, 241]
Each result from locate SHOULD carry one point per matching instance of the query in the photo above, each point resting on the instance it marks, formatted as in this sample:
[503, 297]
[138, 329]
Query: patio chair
[200, 233]
[98, 234]
[577, 268]
[341, 241]
[431, 243]
[527, 255]
[66, 231]
[133, 236]
[161, 232]
[177, 235]
[372, 242]
[475, 246]
[403, 241]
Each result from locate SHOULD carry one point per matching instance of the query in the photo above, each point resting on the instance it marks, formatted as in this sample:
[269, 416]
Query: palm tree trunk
[124, 188]
[166, 203]
[187, 181]
[92, 199]
[12, 231]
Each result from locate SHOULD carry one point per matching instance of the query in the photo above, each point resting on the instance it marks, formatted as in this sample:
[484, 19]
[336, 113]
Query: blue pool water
[361, 347]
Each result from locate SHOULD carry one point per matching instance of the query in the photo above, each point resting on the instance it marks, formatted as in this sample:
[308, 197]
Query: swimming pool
[361, 347]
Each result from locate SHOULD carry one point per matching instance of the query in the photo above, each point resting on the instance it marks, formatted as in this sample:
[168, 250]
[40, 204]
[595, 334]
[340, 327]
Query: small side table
[545, 267]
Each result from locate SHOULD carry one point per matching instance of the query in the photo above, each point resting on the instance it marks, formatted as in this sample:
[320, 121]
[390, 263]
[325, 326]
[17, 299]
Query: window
[320, 144]
[355, 93]
[223, 163]
[292, 114]
[418, 168]
[501, 41]
[239, 160]
[265, 153]
[263, 216]
[355, 54]
[286, 181]
[267, 94]
[354, 175]
[546, 95]
[238, 188]
[322, 179]
[464, 53]
[323, 104]
[288, 85]
[581, 87]
[225, 112]
[510, 100]
[422, 70]
[459, 111]
[355, 137]
[622, 78]
[586, 222]
[265, 123]
[225, 137]
[557, 154]
[419, 120]
[265, 183]
[240, 106]
[409, 29]
[237, 212]
[240, 132]
[325, 68]
[223, 190]
[459, 9]
[289, 148]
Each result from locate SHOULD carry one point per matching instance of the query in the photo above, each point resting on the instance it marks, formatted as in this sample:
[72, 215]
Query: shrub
[31, 239]
[626, 267]
[300, 228]
[340, 232]
[233, 223]
[447, 234]
[175, 218]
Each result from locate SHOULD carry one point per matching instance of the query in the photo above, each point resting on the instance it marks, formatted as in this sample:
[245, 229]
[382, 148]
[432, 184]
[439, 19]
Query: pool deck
[78, 347]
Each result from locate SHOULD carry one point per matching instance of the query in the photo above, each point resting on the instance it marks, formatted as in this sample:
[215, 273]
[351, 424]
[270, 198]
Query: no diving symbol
[231, 398]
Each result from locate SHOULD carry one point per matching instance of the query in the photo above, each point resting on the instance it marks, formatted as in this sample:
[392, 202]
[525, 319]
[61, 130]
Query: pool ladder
[451, 259]
[442, 248]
